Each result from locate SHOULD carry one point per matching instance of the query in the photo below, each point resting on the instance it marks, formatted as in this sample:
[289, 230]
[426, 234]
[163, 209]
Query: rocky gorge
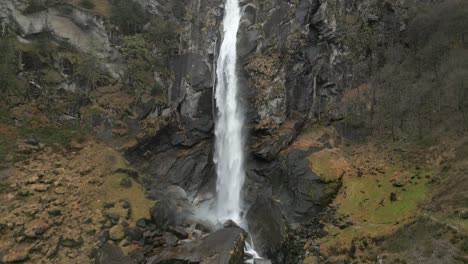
[356, 127]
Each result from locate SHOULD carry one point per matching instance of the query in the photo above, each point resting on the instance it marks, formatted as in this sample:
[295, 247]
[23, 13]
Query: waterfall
[229, 141]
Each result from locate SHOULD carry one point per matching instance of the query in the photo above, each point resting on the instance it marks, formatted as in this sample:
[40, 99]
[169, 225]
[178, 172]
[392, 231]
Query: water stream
[229, 138]
[229, 144]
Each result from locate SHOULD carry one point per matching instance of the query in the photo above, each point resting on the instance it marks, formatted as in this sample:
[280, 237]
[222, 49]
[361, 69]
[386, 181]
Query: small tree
[129, 16]
[89, 72]
[138, 60]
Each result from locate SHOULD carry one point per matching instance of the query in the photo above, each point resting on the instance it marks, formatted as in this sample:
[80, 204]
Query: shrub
[54, 136]
[163, 34]
[34, 6]
[7, 66]
[87, 4]
[129, 16]
[138, 59]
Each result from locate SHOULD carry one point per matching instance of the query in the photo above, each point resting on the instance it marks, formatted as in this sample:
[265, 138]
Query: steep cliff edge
[357, 121]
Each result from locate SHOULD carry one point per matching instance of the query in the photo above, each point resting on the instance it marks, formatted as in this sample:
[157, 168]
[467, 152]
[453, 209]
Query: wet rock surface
[225, 246]
[267, 225]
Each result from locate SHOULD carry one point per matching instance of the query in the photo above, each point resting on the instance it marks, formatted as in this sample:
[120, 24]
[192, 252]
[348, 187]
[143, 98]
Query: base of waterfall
[224, 246]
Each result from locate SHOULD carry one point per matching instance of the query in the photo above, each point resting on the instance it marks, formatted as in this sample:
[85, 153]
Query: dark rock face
[268, 146]
[267, 226]
[225, 246]
[289, 179]
[306, 193]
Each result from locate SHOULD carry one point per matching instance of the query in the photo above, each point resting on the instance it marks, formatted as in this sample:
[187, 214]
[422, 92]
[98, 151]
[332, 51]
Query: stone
[60, 190]
[32, 140]
[111, 254]
[86, 171]
[54, 212]
[230, 224]
[204, 228]
[113, 217]
[172, 205]
[24, 193]
[267, 226]
[464, 214]
[398, 183]
[71, 242]
[133, 233]
[170, 239]
[141, 223]
[32, 179]
[126, 182]
[225, 246]
[116, 233]
[137, 257]
[40, 187]
[149, 234]
[179, 232]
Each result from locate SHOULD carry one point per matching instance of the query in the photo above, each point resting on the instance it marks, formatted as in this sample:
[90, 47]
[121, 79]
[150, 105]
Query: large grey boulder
[225, 246]
[267, 226]
[171, 207]
[111, 254]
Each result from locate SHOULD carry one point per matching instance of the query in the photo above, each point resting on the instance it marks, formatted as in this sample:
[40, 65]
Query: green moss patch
[383, 188]
[375, 199]
[53, 136]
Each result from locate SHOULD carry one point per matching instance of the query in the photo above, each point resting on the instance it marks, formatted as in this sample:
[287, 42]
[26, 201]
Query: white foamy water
[229, 144]
[229, 140]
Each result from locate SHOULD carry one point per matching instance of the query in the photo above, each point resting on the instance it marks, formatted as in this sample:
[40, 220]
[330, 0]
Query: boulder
[179, 232]
[171, 208]
[225, 246]
[267, 226]
[133, 233]
[170, 239]
[110, 254]
[141, 223]
[230, 224]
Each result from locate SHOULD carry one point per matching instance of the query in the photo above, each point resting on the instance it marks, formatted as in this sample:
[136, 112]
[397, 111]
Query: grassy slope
[370, 174]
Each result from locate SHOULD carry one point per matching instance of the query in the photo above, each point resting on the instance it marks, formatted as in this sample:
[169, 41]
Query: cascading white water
[229, 155]
[229, 141]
